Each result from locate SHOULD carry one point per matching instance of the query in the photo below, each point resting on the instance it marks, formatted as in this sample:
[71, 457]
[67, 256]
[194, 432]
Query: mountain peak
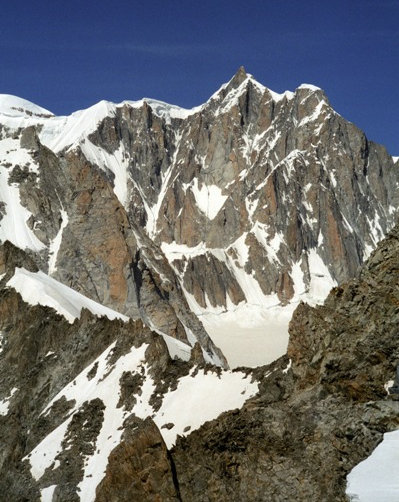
[239, 77]
[14, 106]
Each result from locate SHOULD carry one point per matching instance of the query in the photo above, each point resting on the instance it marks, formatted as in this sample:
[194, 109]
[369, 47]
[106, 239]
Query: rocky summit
[161, 271]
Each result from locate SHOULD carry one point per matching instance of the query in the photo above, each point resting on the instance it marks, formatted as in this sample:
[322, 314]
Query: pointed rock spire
[239, 77]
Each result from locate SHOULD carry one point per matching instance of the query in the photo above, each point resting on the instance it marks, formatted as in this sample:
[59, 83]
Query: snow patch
[177, 348]
[321, 281]
[14, 223]
[46, 494]
[315, 115]
[153, 212]
[56, 243]
[388, 385]
[40, 289]
[208, 198]
[297, 277]
[272, 246]
[115, 162]
[5, 403]
[376, 478]
[200, 398]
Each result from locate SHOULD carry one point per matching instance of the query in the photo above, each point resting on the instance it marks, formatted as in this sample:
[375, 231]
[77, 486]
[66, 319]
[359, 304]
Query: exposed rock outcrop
[139, 468]
[310, 426]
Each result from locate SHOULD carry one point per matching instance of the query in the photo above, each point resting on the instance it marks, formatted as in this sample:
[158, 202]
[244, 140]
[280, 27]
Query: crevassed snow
[208, 198]
[376, 478]
[5, 403]
[40, 289]
[56, 243]
[13, 225]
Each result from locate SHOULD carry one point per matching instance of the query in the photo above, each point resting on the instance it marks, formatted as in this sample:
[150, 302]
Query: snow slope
[14, 223]
[376, 478]
[197, 398]
[14, 106]
[40, 289]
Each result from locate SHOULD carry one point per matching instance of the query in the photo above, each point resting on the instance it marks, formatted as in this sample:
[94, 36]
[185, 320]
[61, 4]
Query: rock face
[307, 428]
[139, 468]
[250, 202]
[254, 198]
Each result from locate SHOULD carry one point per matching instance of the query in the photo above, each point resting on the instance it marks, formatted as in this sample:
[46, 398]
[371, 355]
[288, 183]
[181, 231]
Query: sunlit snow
[40, 289]
[5, 403]
[14, 223]
[56, 243]
[208, 198]
[376, 478]
[197, 398]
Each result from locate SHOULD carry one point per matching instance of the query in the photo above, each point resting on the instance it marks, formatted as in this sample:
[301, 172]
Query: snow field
[199, 397]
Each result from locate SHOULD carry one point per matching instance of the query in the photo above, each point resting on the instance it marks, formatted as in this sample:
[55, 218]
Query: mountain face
[97, 410]
[138, 238]
[236, 209]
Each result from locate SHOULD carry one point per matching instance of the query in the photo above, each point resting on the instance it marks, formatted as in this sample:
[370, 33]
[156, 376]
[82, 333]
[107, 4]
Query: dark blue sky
[67, 55]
